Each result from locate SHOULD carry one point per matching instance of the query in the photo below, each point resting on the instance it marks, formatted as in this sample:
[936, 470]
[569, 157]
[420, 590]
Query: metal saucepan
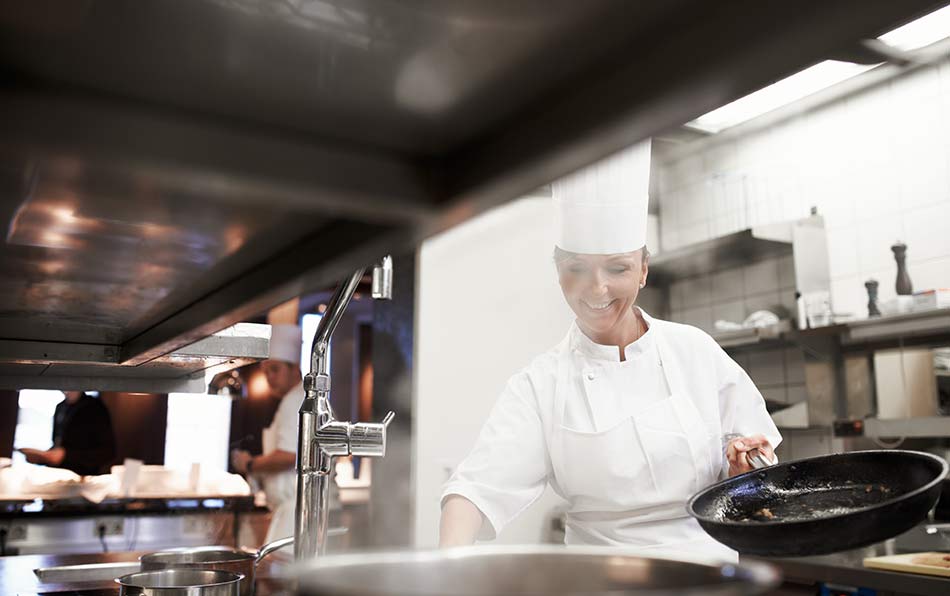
[109, 571]
[527, 570]
[181, 582]
[822, 504]
[214, 557]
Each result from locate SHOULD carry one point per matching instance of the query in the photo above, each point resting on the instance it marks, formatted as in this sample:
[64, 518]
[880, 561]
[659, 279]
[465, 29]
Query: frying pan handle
[757, 459]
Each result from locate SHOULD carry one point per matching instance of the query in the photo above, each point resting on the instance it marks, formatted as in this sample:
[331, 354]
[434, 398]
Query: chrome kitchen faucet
[320, 436]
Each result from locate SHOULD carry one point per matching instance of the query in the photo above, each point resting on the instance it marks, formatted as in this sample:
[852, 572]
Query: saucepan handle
[288, 541]
[272, 546]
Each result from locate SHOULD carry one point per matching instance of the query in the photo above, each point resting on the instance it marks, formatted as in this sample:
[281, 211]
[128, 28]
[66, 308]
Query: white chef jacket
[626, 443]
[281, 487]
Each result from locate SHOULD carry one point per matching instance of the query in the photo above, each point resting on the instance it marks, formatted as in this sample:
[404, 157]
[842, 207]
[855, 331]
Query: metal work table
[17, 576]
[846, 569]
[70, 525]
[78, 507]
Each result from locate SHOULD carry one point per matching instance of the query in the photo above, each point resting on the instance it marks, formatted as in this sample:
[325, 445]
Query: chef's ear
[644, 265]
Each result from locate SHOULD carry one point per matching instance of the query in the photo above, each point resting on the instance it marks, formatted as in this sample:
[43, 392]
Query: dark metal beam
[46, 352]
[227, 163]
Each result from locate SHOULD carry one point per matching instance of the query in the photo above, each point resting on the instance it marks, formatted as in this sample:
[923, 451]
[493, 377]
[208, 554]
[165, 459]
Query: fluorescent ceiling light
[776, 95]
[922, 32]
[919, 33]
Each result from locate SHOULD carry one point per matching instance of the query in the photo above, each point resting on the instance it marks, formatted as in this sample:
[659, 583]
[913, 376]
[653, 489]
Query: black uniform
[84, 431]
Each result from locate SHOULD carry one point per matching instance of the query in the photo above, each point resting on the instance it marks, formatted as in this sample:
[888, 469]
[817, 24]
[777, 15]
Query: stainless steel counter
[847, 568]
[72, 525]
[17, 575]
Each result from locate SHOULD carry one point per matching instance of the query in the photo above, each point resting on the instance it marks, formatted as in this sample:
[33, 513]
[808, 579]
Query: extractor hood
[169, 169]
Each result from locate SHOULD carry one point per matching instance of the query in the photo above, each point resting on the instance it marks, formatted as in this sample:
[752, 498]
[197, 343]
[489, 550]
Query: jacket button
[590, 376]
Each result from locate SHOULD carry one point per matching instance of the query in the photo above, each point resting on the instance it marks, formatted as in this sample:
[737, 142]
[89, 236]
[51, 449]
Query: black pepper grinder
[903, 285]
[873, 310]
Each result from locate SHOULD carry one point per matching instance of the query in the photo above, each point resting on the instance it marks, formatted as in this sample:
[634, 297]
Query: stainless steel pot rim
[938, 479]
[755, 571]
[228, 553]
[210, 578]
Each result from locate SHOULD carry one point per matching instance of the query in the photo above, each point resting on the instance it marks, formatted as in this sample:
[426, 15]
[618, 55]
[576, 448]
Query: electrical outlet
[113, 526]
[196, 525]
[16, 533]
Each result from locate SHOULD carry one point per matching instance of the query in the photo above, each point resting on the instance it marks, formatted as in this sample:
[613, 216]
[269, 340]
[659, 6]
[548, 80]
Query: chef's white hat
[285, 343]
[602, 209]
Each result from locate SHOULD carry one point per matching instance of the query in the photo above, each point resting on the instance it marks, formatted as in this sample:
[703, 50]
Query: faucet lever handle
[369, 438]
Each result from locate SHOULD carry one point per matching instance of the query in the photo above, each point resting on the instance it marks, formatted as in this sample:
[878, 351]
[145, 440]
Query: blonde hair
[561, 255]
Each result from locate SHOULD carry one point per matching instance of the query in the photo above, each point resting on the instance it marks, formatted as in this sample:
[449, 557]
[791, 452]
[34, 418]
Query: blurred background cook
[279, 440]
[83, 438]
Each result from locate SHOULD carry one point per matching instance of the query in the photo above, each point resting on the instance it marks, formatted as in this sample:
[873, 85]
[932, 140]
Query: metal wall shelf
[934, 324]
[794, 416]
[932, 427]
[724, 252]
[753, 336]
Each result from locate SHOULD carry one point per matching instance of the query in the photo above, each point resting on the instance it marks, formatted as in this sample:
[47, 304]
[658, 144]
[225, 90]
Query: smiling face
[281, 376]
[601, 290]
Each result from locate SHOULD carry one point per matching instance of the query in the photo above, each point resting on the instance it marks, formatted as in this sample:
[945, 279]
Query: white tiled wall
[876, 165]
[733, 294]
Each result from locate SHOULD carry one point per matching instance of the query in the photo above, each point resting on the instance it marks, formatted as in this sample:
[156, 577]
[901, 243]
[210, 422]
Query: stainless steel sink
[92, 572]
[528, 570]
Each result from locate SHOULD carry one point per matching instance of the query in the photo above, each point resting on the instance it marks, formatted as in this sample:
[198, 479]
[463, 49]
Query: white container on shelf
[905, 383]
[898, 305]
[930, 299]
[817, 306]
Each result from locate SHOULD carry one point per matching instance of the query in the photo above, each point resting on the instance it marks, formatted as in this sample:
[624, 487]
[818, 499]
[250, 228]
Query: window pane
[197, 431]
[34, 424]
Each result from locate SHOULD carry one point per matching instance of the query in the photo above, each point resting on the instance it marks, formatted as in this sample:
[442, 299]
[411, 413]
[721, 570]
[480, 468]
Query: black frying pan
[822, 504]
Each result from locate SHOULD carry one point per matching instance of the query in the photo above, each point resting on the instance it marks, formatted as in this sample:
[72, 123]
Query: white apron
[281, 492]
[629, 479]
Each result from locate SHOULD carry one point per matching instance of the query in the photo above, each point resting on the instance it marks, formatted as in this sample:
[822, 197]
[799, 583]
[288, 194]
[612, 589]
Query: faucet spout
[319, 350]
[383, 279]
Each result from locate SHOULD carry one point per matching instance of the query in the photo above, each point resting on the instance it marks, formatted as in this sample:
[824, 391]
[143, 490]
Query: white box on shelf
[905, 383]
[930, 299]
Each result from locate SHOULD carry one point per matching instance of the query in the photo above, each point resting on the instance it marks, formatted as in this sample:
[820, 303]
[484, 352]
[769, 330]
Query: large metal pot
[214, 557]
[181, 582]
[523, 571]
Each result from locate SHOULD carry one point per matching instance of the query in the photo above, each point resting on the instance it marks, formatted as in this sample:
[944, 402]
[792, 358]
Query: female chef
[628, 416]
